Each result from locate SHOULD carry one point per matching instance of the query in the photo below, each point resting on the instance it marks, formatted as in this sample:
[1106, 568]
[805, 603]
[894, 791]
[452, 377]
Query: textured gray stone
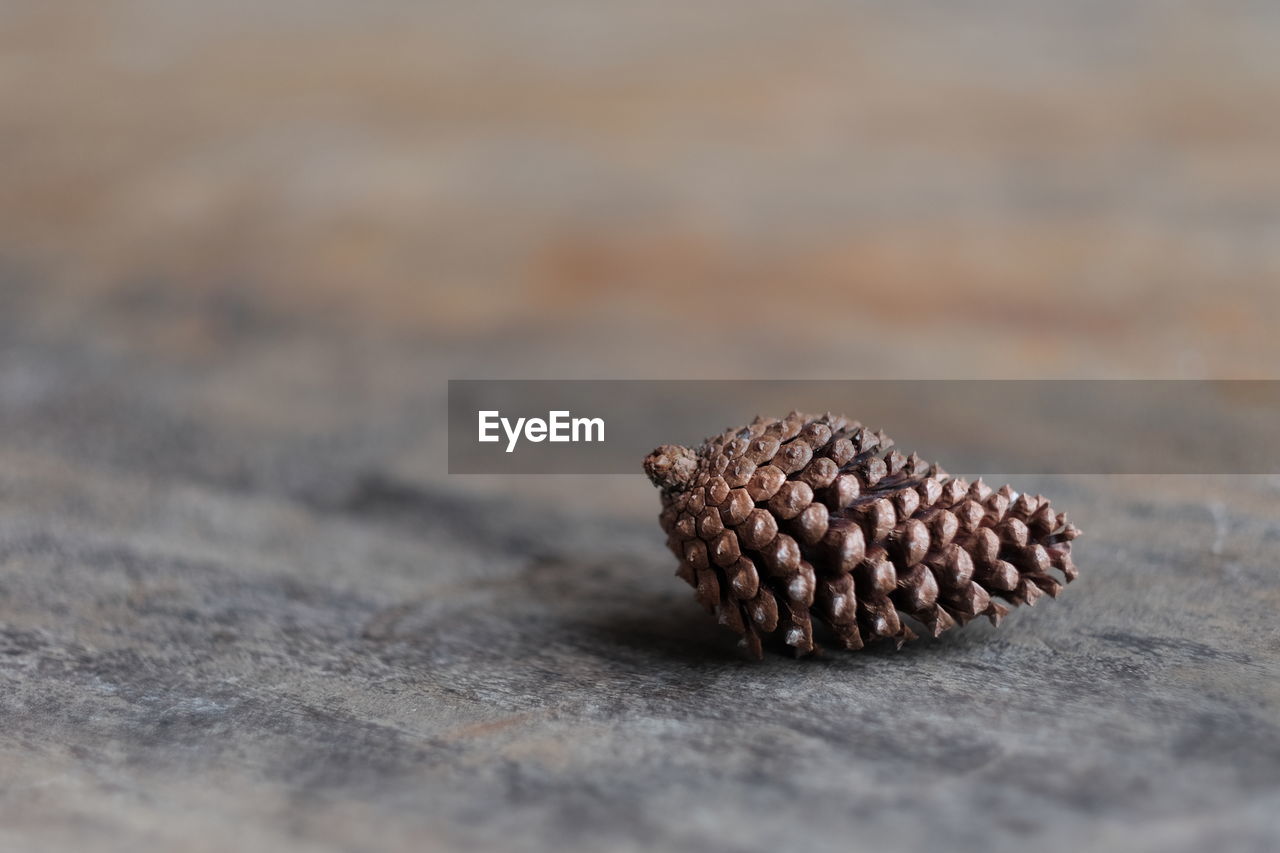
[220, 629]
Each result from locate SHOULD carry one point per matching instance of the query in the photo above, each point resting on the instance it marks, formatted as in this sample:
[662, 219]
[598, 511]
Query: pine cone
[784, 520]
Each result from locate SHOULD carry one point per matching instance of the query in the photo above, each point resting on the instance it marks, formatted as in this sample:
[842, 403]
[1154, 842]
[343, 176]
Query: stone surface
[245, 626]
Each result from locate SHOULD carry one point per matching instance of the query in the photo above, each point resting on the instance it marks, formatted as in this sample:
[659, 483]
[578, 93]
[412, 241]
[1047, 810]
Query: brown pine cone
[783, 520]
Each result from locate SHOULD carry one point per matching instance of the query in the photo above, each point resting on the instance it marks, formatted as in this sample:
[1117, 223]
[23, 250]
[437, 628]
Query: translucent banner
[970, 426]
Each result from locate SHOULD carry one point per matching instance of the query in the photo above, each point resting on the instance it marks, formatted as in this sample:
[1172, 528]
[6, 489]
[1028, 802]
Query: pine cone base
[785, 523]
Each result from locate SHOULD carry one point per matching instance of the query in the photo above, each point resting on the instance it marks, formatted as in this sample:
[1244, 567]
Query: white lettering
[559, 426]
[559, 422]
[587, 425]
[513, 435]
[488, 421]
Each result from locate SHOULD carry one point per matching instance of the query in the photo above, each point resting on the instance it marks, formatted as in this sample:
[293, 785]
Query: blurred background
[244, 244]
[988, 188]
[240, 204]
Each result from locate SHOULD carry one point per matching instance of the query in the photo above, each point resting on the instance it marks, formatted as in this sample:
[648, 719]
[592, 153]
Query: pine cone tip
[671, 466]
